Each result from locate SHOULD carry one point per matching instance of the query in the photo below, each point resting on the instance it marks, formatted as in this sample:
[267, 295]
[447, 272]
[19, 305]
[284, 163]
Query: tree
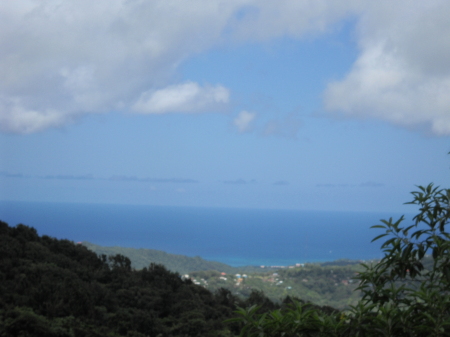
[406, 293]
[409, 287]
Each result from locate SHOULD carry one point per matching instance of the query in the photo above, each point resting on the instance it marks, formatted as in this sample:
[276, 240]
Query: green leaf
[378, 237]
[388, 242]
[378, 226]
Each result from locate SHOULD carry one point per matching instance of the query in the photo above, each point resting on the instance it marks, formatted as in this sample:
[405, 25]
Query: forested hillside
[51, 287]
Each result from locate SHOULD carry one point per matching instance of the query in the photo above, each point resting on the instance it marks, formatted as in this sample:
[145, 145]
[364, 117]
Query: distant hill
[327, 283]
[182, 264]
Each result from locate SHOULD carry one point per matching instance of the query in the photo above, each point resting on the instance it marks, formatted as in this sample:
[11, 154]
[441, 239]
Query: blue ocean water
[233, 236]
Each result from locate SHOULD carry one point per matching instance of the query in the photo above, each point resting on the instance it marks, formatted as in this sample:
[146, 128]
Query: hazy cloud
[371, 184]
[336, 185]
[243, 121]
[11, 175]
[152, 180]
[286, 127]
[70, 177]
[187, 97]
[112, 178]
[326, 185]
[172, 180]
[239, 182]
[365, 184]
[124, 178]
[281, 183]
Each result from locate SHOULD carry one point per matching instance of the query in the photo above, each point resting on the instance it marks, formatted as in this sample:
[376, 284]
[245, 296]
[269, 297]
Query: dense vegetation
[404, 294]
[51, 287]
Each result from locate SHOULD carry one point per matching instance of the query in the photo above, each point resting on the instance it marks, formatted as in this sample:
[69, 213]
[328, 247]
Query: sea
[237, 237]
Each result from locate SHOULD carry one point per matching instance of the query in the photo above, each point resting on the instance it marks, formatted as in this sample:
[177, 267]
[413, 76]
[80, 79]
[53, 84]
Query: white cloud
[403, 72]
[62, 59]
[243, 121]
[187, 97]
[15, 118]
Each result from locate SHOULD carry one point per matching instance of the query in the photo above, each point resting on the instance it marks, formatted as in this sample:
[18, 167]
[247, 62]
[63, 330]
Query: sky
[307, 104]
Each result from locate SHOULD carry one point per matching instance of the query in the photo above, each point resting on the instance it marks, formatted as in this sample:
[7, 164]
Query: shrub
[406, 293]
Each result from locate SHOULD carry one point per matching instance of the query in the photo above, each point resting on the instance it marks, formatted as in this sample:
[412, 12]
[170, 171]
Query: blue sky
[315, 105]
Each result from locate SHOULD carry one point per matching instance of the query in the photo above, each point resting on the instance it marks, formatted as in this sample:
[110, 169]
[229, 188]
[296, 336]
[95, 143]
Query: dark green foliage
[404, 294]
[24, 322]
[51, 287]
[257, 298]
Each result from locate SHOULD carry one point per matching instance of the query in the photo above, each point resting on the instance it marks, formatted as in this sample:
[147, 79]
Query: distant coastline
[182, 264]
[236, 237]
